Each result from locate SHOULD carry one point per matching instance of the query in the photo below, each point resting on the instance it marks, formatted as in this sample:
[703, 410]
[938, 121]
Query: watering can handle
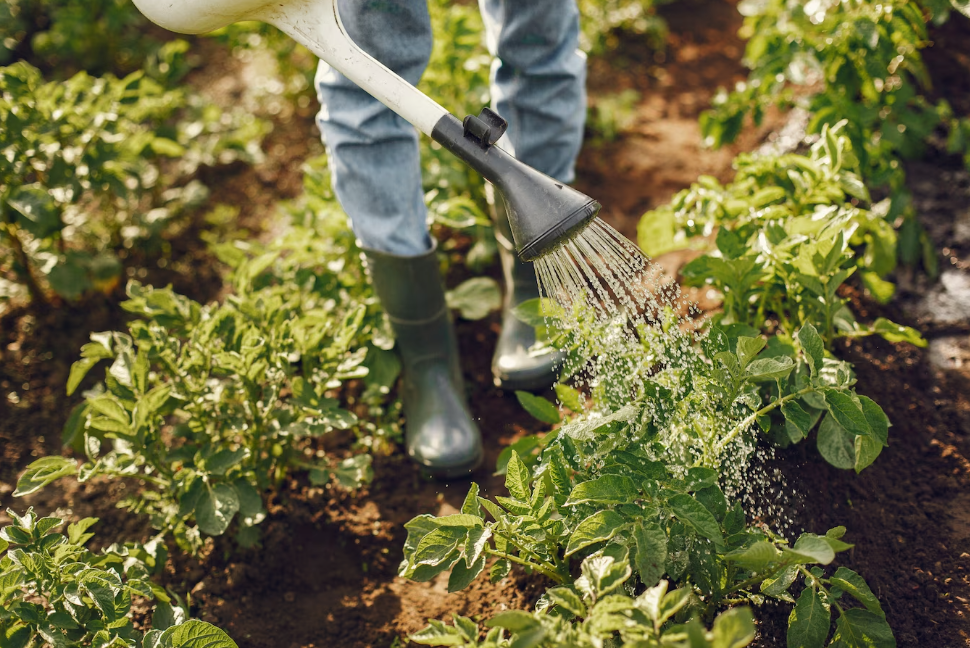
[316, 25]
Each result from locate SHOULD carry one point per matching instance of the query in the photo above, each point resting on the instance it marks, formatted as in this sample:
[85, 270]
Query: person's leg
[374, 152]
[538, 85]
[377, 178]
[538, 80]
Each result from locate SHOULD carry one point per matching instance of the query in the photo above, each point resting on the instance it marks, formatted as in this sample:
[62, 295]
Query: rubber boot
[515, 365]
[440, 434]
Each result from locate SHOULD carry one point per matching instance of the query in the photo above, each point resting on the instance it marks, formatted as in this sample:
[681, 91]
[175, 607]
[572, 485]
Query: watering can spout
[543, 212]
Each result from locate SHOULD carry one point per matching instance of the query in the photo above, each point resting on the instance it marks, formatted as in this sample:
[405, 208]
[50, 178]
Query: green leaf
[867, 449]
[898, 333]
[42, 472]
[748, 348]
[438, 634]
[462, 575]
[878, 287]
[471, 506]
[797, 417]
[847, 410]
[215, 508]
[852, 583]
[858, 628]
[476, 543]
[733, 628]
[813, 347]
[598, 527]
[540, 408]
[353, 472]
[755, 557]
[569, 397]
[608, 489]
[605, 574]
[102, 586]
[223, 460]
[876, 418]
[196, 634]
[69, 280]
[689, 510]
[78, 371]
[110, 408]
[438, 546]
[250, 503]
[166, 147]
[567, 599]
[460, 520]
[538, 311]
[513, 621]
[651, 551]
[517, 478]
[835, 444]
[770, 368]
[810, 548]
[37, 212]
[808, 623]
[475, 298]
[778, 585]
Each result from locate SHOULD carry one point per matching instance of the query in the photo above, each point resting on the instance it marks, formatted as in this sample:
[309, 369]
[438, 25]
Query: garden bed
[325, 574]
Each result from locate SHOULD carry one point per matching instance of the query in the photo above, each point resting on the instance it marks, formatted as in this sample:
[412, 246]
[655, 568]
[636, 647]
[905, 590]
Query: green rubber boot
[515, 365]
[440, 434]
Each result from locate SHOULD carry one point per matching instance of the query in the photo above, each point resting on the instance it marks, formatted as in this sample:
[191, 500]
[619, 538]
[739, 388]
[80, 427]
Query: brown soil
[326, 572]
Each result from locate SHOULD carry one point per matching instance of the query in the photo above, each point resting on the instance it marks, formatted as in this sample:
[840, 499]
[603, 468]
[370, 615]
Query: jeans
[538, 84]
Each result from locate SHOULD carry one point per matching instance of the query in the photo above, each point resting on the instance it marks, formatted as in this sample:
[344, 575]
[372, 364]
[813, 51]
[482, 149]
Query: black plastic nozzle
[543, 212]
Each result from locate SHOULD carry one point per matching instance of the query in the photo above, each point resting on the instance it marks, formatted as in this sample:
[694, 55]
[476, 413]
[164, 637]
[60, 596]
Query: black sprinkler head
[543, 212]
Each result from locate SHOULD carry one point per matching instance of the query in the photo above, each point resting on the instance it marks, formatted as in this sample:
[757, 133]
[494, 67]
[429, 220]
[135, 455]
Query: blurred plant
[856, 61]
[63, 37]
[602, 20]
[611, 114]
[54, 592]
[83, 171]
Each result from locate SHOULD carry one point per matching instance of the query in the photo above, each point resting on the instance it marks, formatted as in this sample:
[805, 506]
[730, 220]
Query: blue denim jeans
[538, 84]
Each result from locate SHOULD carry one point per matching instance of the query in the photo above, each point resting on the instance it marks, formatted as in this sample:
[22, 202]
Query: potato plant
[857, 60]
[56, 592]
[790, 230]
[592, 611]
[212, 406]
[642, 480]
[83, 175]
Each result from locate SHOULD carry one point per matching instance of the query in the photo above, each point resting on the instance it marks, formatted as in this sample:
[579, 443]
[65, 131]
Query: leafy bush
[83, 175]
[55, 592]
[857, 61]
[646, 480]
[791, 229]
[591, 612]
[211, 406]
[603, 19]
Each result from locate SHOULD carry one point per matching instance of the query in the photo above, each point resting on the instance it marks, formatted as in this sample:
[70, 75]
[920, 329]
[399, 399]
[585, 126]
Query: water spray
[543, 212]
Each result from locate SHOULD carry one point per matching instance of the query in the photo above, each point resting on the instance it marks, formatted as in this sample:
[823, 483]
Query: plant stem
[545, 570]
[33, 288]
[743, 425]
[531, 554]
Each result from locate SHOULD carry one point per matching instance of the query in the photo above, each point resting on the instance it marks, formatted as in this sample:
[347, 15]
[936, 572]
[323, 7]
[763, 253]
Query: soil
[325, 574]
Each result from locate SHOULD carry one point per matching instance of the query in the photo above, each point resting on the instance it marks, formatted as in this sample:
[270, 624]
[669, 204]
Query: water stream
[631, 338]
